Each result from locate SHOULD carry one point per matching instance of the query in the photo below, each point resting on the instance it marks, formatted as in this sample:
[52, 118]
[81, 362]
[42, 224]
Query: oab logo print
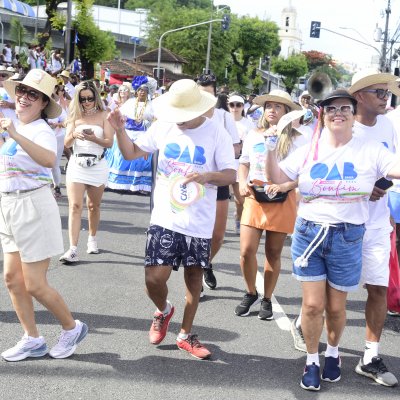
[330, 182]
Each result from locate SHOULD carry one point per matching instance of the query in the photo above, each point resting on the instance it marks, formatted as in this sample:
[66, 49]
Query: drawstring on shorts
[302, 261]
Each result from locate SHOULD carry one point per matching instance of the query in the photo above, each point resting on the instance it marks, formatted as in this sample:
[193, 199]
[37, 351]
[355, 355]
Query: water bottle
[270, 142]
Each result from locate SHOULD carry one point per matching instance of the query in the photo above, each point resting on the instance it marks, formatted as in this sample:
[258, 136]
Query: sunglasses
[380, 93]
[31, 94]
[86, 99]
[344, 110]
[4, 75]
[236, 105]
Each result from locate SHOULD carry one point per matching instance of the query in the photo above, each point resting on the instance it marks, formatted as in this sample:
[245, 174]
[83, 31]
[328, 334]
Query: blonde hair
[75, 108]
[286, 138]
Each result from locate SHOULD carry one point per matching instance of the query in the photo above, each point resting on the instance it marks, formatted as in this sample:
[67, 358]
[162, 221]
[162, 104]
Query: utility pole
[383, 60]
[68, 34]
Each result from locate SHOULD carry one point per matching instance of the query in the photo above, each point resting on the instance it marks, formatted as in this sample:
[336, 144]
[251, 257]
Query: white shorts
[30, 224]
[375, 257]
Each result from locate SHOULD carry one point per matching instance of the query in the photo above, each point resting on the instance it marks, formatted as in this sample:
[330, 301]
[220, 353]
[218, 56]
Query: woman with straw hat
[30, 225]
[336, 176]
[276, 219]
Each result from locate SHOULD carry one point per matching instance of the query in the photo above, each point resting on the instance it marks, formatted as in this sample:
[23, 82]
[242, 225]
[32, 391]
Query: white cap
[236, 98]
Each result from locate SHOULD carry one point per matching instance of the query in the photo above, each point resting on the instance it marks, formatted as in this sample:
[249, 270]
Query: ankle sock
[167, 309]
[371, 350]
[332, 351]
[312, 358]
[91, 238]
[74, 248]
[183, 336]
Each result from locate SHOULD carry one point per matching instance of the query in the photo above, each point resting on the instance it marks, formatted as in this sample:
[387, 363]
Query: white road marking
[279, 315]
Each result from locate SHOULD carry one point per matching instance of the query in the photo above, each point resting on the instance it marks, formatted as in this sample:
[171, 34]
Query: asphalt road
[252, 359]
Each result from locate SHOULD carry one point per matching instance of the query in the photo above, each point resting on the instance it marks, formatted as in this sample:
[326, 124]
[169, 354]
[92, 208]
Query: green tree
[251, 40]
[290, 69]
[190, 43]
[18, 33]
[94, 45]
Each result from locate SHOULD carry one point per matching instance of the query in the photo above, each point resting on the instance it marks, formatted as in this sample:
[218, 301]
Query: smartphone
[383, 183]
[87, 131]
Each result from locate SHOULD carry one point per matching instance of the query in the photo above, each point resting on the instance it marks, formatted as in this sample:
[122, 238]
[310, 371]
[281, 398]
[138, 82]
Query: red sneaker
[193, 347]
[159, 327]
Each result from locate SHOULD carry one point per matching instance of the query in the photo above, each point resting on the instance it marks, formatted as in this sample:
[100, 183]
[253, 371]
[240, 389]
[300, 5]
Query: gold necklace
[91, 111]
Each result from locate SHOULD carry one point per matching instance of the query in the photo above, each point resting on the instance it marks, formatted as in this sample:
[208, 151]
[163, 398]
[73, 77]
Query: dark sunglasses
[4, 75]
[31, 94]
[86, 99]
[380, 93]
[237, 105]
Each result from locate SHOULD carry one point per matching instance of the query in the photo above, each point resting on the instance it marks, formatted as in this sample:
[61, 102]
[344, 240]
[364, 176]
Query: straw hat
[183, 102]
[65, 74]
[4, 70]
[277, 96]
[368, 77]
[394, 87]
[42, 82]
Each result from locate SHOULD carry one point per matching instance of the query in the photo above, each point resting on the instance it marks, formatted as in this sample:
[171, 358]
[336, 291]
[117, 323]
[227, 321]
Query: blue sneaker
[27, 347]
[331, 372]
[310, 379]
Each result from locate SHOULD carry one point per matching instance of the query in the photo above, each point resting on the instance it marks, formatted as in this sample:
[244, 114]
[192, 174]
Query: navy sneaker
[310, 379]
[331, 372]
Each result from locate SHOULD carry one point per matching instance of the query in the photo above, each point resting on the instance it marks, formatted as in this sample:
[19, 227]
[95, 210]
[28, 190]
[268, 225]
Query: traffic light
[226, 20]
[315, 29]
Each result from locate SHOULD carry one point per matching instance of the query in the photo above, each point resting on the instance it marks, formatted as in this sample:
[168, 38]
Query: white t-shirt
[226, 120]
[187, 209]
[384, 133]
[336, 187]
[61, 118]
[70, 89]
[244, 126]
[17, 169]
[7, 112]
[253, 153]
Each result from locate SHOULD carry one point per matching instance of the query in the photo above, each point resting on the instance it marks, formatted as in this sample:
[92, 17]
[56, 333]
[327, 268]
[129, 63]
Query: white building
[119, 21]
[289, 32]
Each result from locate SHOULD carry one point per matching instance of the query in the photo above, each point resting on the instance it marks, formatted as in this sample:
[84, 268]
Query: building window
[287, 21]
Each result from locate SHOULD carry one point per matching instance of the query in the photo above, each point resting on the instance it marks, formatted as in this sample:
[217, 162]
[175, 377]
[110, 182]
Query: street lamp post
[175, 30]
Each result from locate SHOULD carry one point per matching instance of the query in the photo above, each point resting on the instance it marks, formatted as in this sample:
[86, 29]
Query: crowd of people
[293, 168]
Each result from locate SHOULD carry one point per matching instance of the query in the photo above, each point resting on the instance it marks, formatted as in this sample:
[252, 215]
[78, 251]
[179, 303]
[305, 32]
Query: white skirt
[96, 175]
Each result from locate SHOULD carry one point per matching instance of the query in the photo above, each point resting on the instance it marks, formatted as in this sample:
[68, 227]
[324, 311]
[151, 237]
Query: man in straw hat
[69, 87]
[372, 91]
[195, 157]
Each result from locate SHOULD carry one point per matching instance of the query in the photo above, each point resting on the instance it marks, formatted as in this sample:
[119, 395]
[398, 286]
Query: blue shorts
[166, 247]
[338, 259]
[394, 205]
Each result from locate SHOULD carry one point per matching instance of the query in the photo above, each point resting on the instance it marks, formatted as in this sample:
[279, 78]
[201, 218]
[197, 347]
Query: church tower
[289, 32]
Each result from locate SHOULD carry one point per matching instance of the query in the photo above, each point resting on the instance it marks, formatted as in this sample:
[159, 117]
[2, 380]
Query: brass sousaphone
[319, 85]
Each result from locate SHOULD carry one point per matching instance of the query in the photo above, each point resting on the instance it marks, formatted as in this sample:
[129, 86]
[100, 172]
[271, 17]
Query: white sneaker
[68, 341]
[27, 347]
[92, 247]
[70, 256]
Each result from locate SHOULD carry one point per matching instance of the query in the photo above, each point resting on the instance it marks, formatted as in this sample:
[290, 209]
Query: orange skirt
[276, 217]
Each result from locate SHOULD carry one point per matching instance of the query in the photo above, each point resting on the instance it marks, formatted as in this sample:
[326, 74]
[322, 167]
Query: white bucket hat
[183, 102]
[42, 82]
[277, 96]
[368, 77]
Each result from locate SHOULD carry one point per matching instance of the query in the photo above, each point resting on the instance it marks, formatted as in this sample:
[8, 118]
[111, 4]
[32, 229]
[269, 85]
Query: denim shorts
[166, 247]
[338, 259]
